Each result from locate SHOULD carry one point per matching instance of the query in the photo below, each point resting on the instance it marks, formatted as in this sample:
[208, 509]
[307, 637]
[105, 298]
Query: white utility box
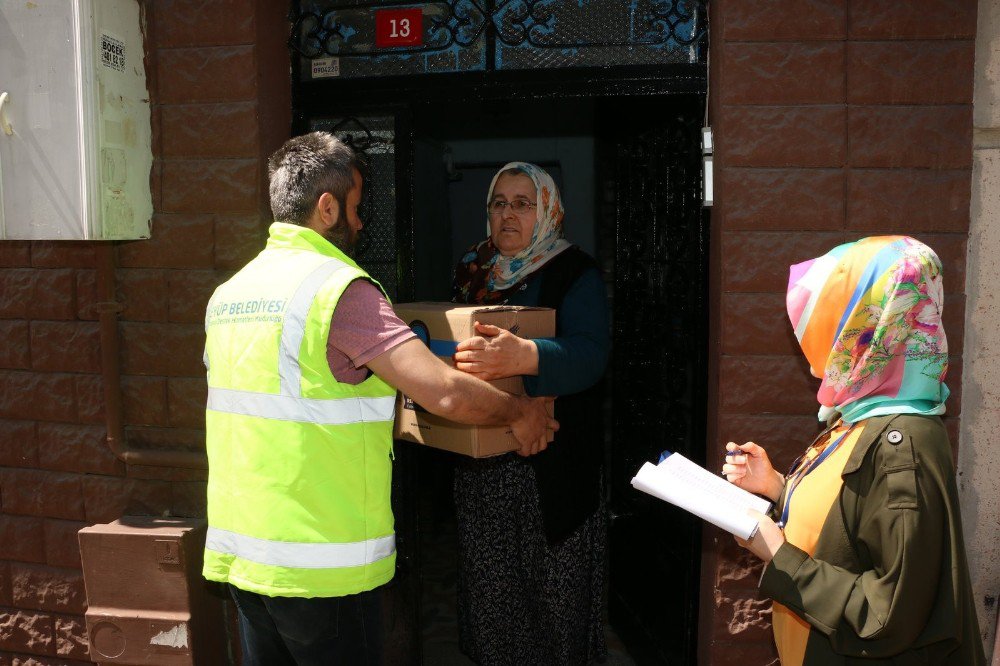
[75, 151]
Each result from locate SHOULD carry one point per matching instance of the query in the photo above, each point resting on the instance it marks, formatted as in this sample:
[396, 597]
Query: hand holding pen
[748, 467]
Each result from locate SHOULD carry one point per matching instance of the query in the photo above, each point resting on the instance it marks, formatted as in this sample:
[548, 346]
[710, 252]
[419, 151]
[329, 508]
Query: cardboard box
[442, 326]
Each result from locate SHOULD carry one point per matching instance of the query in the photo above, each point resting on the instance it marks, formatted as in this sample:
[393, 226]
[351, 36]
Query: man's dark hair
[306, 167]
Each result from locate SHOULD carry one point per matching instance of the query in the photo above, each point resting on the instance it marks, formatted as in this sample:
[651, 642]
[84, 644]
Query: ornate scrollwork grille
[492, 35]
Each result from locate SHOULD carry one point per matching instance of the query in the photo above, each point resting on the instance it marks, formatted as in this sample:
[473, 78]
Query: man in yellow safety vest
[304, 357]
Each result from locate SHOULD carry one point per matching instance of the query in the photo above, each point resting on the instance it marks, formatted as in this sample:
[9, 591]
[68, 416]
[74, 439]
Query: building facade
[833, 120]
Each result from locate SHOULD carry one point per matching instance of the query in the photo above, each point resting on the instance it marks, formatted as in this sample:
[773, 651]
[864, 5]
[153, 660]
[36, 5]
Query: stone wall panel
[766, 385]
[189, 498]
[5, 597]
[783, 73]
[40, 493]
[27, 631]
[69, 447]
[143, 294]
[71, 638]
[46, 588]
[170, 438]
[186, 399]
[37, 396]
[145, 400]
[781, 199]
[16, 285]
[186, 75]
[53, 294]
[189, 292]
[89, 390]
[210, 186]
[784, 437]
[933, 137]
[62, 547]
[15, 253]
[239, 238]
[210, 130]
[898, 72]
[71, 346]
[107, 498]
[86, 294]
[919, 200]
[929, 19]
[782, 136]
[62, 254]
[745, 270]
[776, 20]
[165, 350]
[757, 323]
[18, 445]
[953, 319]
[15, 353]
[23, 538]
[199, 23]
[178, 241]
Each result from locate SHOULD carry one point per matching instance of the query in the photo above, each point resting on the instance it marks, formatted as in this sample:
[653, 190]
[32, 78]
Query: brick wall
[218, 78]
[834, 120]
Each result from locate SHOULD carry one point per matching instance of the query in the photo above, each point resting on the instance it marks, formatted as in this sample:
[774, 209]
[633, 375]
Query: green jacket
[889, 582]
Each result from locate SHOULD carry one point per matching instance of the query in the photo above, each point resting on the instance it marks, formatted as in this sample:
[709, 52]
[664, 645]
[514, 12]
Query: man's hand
[496, 353]
[532, 428]
[442, 390]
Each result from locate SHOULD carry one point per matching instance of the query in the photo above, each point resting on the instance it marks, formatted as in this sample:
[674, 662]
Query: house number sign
[399, 27]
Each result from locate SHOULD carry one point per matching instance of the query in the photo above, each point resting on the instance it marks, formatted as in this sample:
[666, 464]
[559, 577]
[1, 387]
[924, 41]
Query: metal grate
[373, 136]
[478, 35]
[536, 34]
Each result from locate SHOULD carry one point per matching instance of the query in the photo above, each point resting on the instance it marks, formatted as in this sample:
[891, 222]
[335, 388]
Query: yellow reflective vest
[299, 464]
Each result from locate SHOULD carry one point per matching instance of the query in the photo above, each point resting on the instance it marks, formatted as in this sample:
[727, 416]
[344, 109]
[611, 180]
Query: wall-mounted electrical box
[147, 602]
[75, 140]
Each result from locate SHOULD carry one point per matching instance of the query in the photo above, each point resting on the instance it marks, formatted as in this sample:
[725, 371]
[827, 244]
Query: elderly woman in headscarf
[864, 558]
[531, 525]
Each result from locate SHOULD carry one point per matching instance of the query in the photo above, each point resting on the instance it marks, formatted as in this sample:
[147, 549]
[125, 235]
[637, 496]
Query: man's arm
[460, 397]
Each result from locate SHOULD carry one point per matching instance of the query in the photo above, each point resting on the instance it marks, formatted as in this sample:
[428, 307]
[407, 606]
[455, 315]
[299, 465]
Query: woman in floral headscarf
[866, 561]
[532, 531]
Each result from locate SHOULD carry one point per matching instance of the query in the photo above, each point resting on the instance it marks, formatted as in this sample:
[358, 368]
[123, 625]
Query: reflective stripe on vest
[289, 405]
[293, 329]
[328, 411]
[300, 555]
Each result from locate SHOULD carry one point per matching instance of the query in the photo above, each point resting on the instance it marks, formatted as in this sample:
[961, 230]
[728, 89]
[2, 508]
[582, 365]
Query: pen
[733, 453]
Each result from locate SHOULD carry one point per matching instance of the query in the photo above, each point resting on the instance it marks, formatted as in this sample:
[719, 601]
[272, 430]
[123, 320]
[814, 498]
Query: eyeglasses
[499, 207]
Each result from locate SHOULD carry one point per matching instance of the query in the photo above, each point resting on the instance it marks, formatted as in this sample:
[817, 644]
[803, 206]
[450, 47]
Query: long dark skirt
[520, 601]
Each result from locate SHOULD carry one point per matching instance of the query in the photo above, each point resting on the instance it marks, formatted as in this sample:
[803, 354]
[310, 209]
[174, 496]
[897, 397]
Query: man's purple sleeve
[363, 327]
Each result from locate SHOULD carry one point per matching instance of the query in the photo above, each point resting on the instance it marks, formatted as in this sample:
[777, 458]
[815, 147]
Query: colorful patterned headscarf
[483, 274]
[868, 318]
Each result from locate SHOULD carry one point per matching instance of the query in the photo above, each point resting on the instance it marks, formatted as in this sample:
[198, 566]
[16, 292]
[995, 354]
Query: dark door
[652, 179]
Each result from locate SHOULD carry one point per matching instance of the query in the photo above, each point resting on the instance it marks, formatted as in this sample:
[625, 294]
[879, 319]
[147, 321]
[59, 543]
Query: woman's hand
[748, 467]
[766, 540]
[496, 353]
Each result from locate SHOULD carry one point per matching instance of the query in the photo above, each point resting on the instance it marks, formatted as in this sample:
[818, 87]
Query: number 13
[403, 29]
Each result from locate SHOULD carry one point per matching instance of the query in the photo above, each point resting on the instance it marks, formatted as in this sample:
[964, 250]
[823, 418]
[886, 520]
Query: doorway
[629, 169]
[623, 144]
